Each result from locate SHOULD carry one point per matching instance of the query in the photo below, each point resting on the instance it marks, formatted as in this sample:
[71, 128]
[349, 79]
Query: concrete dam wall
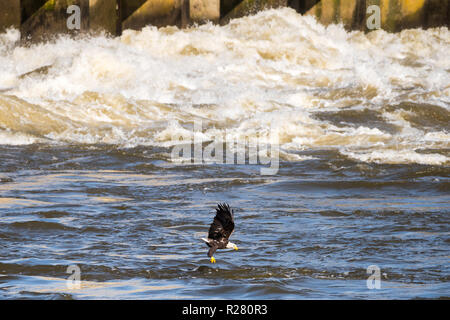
[38, 19]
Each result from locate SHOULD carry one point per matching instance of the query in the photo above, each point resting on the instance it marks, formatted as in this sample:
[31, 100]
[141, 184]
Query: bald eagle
[220, 230]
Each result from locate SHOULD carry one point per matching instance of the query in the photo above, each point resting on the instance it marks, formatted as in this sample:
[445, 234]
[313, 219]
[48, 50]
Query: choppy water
[87, 176]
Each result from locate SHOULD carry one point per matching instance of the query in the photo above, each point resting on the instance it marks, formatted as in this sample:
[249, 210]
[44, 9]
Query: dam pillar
[331, 11]
[137, 14]
[9, 14]
[204, 10]
[42, 19]
[104, 15]
[395, 15]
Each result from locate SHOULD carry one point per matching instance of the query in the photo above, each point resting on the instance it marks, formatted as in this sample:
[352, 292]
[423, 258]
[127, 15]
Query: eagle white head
[231, 245]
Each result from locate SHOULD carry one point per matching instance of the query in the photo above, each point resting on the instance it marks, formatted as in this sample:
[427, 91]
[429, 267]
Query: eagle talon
[213, 260]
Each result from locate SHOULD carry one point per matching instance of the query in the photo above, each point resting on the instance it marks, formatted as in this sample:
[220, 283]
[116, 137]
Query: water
[87, 175]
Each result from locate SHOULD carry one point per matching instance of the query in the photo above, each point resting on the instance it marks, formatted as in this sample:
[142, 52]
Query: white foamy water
[376, 97]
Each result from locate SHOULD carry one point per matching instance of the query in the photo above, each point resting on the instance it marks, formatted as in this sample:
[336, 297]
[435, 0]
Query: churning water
[88, 177]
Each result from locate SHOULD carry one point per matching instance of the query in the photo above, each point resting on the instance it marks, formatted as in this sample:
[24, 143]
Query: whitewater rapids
[376, 97]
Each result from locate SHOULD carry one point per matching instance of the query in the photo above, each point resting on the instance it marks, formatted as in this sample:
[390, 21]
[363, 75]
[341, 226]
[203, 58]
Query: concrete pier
[40, 19]
[104, 15]
[204, 10]
[54, 17]
[155, 12]
[395, 15]
[9, 14]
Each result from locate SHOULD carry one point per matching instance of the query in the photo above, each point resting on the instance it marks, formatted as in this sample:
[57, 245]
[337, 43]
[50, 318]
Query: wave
[376, 97]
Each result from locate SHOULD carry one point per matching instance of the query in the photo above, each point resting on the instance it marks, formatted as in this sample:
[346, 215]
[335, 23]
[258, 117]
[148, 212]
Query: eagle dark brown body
[220, 231]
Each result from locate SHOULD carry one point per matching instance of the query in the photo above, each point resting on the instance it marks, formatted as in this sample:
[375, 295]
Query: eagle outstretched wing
[223, 223]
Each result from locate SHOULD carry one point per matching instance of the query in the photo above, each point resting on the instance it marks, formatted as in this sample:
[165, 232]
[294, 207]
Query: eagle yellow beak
[213, 260]
[235, 248]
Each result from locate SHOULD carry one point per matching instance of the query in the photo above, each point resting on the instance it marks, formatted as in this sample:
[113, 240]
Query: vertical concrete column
[395, 15]
[185, 19]
[9, 14]
[153, 12]
[352, 13]
[53, 18]
[104, 16]
[204, 10]
[347, 12]
[400, 14]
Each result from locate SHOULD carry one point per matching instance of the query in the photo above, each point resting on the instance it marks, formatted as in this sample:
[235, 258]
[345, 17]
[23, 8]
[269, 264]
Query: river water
[356, 128]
